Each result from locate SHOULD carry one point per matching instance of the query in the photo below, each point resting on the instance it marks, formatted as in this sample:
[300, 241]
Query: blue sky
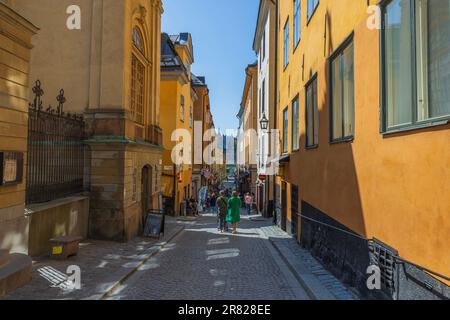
[222, 33]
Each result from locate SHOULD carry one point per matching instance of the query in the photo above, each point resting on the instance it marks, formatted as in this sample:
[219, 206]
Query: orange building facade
[177, 113]
[365, 165]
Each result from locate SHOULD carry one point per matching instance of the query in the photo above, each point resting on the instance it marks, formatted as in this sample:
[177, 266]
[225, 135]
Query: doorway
[284, 206]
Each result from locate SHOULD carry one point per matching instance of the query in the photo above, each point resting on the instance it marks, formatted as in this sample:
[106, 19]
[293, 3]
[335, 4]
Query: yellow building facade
[348, 161]
[177, 112]
[249, 122]
[15, 55]
[108, 66]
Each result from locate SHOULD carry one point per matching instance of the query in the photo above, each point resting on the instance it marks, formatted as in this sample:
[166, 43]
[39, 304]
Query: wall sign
[11, 168]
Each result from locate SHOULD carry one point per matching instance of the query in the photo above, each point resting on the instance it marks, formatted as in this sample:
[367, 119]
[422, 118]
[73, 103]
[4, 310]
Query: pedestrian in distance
[248, 203]
[213, 201]
[234, 211]
[222, 211]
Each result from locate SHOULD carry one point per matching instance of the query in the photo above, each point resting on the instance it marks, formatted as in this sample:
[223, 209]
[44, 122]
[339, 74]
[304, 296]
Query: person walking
[234, 211]
[248, 203]
[213, 201]
[222, 211]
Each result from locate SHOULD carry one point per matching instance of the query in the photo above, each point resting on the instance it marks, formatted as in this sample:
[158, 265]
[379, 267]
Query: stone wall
[63, 217]
[348, 257]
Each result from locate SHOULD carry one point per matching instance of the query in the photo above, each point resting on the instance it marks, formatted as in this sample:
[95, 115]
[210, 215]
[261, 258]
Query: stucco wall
[390, 187]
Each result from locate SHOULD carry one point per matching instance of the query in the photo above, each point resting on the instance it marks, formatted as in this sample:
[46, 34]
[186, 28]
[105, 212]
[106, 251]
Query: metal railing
[55, 164]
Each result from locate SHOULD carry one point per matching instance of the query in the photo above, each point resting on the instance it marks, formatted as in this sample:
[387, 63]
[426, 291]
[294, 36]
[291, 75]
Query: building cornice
[19, 22]
[264, 9]
[174, 75]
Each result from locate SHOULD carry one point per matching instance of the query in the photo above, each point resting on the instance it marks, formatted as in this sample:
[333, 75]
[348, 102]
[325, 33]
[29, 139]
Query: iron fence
[55, 162]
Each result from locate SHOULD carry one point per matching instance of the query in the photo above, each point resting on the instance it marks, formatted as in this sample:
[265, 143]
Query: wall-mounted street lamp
[264, 122]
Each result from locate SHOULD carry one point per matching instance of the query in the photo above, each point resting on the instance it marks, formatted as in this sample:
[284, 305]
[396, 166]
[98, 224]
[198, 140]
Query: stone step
[4, 257]
[15, 273]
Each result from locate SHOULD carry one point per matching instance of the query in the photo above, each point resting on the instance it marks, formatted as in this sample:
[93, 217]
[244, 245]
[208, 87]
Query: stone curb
[156, 248]
[314, 289]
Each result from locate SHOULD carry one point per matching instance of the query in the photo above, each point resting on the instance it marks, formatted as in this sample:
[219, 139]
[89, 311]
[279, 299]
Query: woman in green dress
[234, 211]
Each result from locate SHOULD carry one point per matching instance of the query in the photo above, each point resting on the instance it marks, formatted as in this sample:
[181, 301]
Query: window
[182, 109]
[191, 117]
[285, 130]
[295, 120]
[286, 44]
[312, 5]
[312, 114]
[297, 22]
[264, 46]
[416, 69]
[138, 71]
[263, 98]
[137, 40]
[343, 93]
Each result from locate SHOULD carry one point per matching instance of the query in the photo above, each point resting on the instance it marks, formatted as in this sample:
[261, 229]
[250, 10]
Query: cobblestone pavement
[193, 261]
[102, 264]
[205, 264]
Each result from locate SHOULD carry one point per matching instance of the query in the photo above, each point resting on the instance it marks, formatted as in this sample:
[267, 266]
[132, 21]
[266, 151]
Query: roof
[184, 39]
[198, 81]
[169, 56]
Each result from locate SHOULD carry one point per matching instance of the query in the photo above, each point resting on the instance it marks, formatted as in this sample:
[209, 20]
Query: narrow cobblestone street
[192, 262]
[201, 264]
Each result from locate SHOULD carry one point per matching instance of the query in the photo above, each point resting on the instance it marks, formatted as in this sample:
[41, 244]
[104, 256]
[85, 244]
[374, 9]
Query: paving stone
[199, 263]
[205, 264]
[102, 263]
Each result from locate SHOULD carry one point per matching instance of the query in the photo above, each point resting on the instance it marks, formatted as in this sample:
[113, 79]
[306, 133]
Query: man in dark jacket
[222, 211]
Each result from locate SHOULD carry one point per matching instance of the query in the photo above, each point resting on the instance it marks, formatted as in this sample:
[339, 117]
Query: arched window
[137, 40]
[138, 77]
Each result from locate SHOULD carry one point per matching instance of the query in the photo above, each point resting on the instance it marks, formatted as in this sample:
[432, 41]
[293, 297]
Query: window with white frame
[343, 93]
[285, 130]
[263, 97]
[264, 46]
[312, 114]
[416, 63]
[295, 124]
